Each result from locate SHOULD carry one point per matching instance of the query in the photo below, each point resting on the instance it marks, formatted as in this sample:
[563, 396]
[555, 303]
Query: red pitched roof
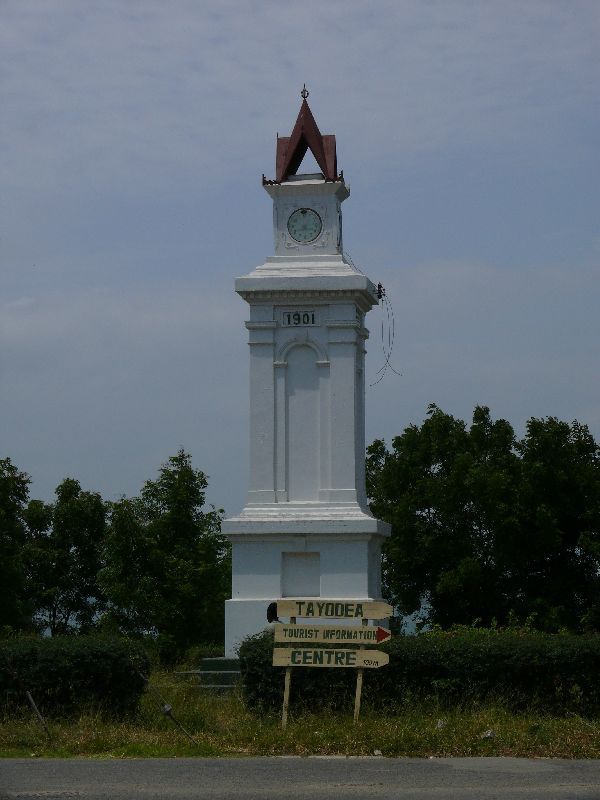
[292, 149]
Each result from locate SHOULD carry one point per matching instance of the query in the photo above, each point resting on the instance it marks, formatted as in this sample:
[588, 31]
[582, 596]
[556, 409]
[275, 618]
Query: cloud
[96, 377]
[522, 341]
[133, 137]
[100, 89]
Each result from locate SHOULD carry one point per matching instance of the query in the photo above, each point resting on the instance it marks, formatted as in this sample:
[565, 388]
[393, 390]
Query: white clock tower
[306, 530]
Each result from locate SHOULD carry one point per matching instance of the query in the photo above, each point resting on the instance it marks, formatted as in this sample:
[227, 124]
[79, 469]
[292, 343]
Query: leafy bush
[67, 674]
[262, 683]
[521, 669]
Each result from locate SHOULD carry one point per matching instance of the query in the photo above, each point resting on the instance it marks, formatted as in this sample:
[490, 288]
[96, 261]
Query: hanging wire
[388, 334]
[348, 258]
[388, 326]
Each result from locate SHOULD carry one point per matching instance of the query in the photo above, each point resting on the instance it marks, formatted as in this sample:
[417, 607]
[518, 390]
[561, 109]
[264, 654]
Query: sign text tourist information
[335, 609]
[331, 634]
[328, 657]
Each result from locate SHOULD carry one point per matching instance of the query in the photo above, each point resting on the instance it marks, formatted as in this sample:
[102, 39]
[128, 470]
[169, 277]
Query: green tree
[62, 556]
[14, 492]
[167, 566]
[486, 527]
[560, 520]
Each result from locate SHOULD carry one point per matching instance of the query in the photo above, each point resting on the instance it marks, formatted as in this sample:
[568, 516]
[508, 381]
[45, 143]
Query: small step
[209, 672]
[217, 687]
[214, 674]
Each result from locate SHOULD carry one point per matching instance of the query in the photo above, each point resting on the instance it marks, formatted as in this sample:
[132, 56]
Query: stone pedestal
[328, 553]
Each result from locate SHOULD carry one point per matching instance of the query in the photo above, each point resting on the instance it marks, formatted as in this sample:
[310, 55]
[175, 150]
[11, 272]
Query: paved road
[299, 779]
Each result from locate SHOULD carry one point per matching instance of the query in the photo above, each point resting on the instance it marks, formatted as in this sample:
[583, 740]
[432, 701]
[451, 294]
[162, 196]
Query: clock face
[304, 225]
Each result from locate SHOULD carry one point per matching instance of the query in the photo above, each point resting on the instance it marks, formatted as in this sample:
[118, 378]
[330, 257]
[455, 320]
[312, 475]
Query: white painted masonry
[306, 529]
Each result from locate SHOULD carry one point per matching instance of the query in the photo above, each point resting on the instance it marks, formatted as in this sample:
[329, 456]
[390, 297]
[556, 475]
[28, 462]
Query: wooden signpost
[302, 637]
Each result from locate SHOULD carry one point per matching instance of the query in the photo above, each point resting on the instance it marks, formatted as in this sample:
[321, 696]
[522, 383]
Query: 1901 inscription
[299, 317]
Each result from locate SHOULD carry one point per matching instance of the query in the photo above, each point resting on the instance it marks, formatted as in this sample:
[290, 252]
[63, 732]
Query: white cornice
[298, 188]
[305, 518]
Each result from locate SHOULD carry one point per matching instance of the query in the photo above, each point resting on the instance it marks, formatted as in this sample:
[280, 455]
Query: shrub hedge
[522, 669]
[68, 674]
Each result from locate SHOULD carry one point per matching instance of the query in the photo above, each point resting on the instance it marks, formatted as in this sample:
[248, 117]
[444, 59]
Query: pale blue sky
[133, 136]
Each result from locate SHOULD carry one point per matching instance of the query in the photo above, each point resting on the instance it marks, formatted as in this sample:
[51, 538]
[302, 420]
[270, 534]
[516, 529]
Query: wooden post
[286, 697]
[286, 689]
[359, 683]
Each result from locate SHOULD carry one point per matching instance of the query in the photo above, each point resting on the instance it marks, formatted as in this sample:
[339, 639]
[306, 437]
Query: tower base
[335, 558]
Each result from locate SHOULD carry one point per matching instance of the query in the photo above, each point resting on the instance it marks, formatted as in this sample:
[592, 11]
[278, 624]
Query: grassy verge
[222, 726]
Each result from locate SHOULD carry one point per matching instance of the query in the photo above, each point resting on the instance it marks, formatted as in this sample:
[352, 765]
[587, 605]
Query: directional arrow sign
[325, 657]
[332, 634]
[336, 609]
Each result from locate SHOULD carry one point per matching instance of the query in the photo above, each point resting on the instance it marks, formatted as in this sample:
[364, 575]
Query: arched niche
[303, 423]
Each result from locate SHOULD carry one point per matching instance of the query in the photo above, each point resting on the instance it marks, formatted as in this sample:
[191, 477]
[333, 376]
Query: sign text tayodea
[335, 609]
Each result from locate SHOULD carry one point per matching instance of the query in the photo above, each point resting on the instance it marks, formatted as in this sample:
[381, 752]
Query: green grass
[223, 726]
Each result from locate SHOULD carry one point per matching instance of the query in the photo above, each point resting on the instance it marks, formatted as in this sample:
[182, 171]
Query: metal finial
[304, 93]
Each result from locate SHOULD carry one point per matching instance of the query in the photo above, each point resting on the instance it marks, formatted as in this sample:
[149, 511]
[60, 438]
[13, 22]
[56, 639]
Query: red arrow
[382, 635]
